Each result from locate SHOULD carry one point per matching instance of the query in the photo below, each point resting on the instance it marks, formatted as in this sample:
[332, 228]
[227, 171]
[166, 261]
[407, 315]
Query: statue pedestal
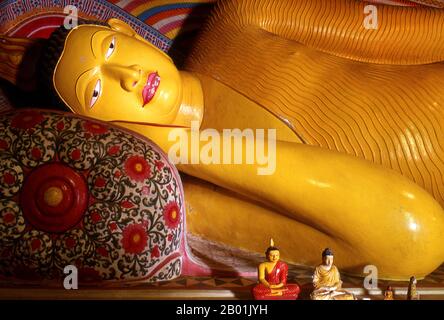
[216, 287]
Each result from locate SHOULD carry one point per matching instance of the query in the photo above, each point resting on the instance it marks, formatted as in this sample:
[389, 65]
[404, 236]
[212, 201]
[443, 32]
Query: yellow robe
[327, 284]
[371, 93]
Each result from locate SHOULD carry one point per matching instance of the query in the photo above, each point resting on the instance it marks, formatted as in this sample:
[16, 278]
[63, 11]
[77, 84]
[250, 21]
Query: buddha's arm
[277, 286]
[261, 278]
[404, 35]
[283, 276]
[261, 275]
[375, 211]
[316, 280]
[321, 285]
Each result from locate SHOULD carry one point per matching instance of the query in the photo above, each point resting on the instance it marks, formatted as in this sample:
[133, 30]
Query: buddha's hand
[276, 292]
[326, 289]
[276, 286]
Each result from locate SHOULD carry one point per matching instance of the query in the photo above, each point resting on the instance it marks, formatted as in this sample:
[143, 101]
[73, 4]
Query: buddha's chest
[225, 108]
[272, 273]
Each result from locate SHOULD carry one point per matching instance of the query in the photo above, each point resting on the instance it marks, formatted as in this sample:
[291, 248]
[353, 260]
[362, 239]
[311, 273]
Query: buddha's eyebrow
[91, 45]
[93, 40]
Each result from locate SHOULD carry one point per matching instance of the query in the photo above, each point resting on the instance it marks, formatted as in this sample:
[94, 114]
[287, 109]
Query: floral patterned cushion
[74, 191]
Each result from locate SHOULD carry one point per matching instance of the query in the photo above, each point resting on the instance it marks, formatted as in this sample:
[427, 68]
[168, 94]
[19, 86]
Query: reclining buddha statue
[357, 112]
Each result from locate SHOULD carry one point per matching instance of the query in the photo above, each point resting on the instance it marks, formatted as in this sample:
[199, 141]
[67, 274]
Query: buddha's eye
[96, 93]
[111, 48]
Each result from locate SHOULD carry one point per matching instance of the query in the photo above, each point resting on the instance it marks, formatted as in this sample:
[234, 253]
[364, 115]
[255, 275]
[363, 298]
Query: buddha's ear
[121, 26]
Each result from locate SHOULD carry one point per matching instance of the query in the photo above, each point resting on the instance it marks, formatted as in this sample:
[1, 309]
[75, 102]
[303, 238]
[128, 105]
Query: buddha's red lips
[150, 88]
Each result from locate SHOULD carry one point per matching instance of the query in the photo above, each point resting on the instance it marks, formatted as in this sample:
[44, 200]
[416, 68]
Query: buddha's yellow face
[327, 261]
[273, 256]
[112, 74]
[388, 294]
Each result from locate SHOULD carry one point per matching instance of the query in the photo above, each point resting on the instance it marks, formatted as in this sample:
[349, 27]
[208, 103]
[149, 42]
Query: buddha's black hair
[327, 252]
[52, 50]
[272, 248]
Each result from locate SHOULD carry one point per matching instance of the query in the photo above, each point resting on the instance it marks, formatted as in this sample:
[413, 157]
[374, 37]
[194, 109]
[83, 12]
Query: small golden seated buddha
[388, 294]
[272, 276]
[327, 280]
[412, 294]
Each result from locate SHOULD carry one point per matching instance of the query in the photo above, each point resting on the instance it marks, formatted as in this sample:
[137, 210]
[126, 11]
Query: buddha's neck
[192, 106]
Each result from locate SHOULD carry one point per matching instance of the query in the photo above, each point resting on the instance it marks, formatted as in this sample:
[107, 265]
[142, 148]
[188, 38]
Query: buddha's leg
[292, 290]
[371, 214]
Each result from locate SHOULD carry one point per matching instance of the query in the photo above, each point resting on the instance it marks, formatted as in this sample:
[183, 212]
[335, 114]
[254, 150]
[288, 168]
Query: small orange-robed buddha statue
[327, 280]
[388, 294]
[272, 276]
[412, 294]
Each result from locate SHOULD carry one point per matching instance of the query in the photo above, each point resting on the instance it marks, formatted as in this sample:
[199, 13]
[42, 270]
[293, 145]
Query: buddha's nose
[129, 76]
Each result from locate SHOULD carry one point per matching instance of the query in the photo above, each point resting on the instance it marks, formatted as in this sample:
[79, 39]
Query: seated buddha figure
[388, 293]
[412, 294]
[327, 280]
[356, 114]
[272, 276]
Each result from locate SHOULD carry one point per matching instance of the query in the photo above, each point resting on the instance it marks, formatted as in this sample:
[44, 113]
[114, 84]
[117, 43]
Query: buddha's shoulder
[333, 267]
[282, 264]
[264, 264]
[321, 268]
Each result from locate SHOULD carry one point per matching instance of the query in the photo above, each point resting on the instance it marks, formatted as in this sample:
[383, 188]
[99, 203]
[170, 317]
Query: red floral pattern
[8, 178]
[95, 128]
[113, 150]
[3, 144]
[159, 165]
[102, 251]
[128, 229]
[70, 243]
[36, 153]
[127, 204]
[113, 226]
[95, 217]
[8, 218]
[137, 168]
[100, 182]
[134, 238]
[145, 190]
[36, 244]
[60, 126]
[155, 252]
[171, 214]
[76, 154]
